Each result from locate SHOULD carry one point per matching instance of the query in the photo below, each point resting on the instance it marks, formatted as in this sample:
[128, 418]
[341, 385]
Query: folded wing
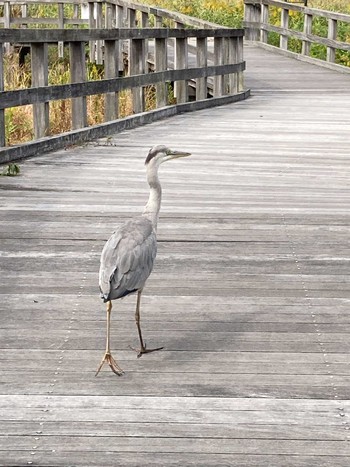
[127, 259]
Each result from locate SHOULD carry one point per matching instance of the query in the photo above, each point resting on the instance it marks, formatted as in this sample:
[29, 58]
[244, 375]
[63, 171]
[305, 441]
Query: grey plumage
[127, 259]
[128, 256]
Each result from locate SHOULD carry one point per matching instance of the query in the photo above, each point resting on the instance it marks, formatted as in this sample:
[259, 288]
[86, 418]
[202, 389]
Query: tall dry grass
[19, 120]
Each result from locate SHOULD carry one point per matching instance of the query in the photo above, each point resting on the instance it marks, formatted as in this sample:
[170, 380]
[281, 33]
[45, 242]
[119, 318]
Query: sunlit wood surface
[249, 296]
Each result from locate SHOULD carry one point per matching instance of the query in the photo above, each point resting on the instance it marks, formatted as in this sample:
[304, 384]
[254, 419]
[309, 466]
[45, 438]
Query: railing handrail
[79, 35]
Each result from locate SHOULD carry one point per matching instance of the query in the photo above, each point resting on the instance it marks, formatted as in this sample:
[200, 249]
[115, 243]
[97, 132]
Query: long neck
[152, 207]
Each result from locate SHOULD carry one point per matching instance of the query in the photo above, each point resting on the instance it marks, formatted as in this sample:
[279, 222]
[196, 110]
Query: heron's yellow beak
[176, 154]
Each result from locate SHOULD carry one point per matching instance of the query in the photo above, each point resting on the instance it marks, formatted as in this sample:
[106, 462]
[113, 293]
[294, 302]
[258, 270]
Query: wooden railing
[92, 14]
[258, 25]
[178, 55]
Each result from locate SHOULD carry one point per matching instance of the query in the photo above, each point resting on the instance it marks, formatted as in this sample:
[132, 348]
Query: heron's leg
[108, 356]
[143, 348]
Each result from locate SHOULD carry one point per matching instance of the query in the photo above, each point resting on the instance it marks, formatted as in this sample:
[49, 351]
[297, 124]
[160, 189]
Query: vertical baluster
[75, 14]
[24, 12]
[225, 62]
[137, 60]
[181, 62]
[158, 21]
[110, 19]
[78, 75]
[99, 25]
[264, 21]
[61, 26]
[131, 23]
[233, 77]
[161, 65]
[332, 34]
[239, 59]
[252, 16]
[92, 44]
[119, 24]
[218, 60]
[7, 23]
[145, 24]
[284, 25]
[305, 50]
[202, 62]
[39, 65]
[111, 71]
[7, 15]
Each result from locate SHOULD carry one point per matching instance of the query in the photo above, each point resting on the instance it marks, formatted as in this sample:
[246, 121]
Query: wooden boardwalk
[250, 293]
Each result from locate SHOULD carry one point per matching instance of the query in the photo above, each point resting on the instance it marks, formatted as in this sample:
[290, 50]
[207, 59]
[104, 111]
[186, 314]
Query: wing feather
[127, 258]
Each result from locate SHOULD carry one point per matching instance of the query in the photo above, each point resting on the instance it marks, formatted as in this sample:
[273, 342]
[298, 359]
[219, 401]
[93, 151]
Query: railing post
[39, 65]
[99, 25]
[2, 111]
[145, 24]
[92, 25]
[24, 12]
[120, 16]
[111, 71]
[233, 55]
[239, 59]
[119, 22]
[264, 20]
[252, 15]
[7, 23]
[160, 58]
[78, 75]
[305, 50]
[158, 21]
[284, 25]
[75, 13]
[226, 62]
[181, 62]
[137, 60]
[202, 62]
[61, 26]
[218, 60]
[110, 20]
[332, 34]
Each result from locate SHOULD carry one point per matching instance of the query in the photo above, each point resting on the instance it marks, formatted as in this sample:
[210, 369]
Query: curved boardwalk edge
[77, 137]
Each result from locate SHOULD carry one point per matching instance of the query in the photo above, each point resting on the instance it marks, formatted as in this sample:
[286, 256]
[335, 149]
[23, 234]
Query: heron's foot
[112, 364]
[144, 350]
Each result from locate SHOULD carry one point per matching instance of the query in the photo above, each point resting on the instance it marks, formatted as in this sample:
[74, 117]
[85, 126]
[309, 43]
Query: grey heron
[128, 256]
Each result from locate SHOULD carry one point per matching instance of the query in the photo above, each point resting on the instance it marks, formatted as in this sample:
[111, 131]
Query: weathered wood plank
[173, 429]
[85, 35]
[110, 458]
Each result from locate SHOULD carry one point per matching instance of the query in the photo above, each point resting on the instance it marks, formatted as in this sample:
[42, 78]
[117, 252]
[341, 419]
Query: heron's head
[159, 154]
